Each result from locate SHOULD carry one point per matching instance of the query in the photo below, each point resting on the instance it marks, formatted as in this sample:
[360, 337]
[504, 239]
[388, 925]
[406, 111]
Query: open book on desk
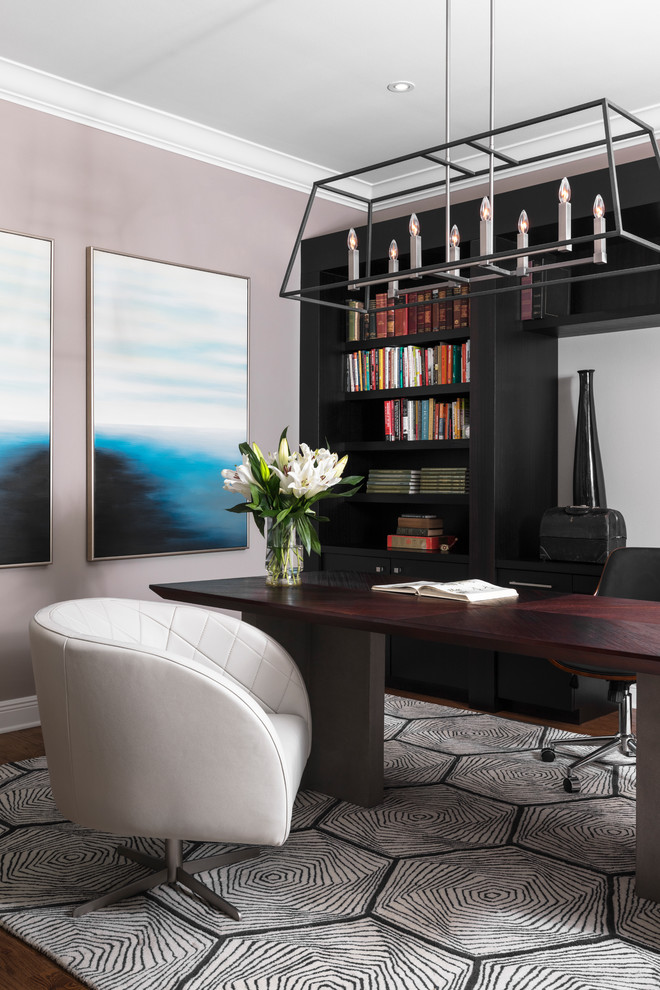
[471, 590]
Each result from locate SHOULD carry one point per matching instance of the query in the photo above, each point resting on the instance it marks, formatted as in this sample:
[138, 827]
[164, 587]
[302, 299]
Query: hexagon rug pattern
[476, 872]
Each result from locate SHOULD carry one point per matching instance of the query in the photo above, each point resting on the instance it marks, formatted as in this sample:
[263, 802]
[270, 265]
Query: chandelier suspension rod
[447, 125]
[491, 114]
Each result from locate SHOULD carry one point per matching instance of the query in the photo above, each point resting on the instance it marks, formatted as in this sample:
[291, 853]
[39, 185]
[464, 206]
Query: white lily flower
[239, 478]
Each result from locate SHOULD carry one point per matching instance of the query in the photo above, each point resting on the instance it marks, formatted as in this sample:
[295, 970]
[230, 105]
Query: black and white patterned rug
[478, 872]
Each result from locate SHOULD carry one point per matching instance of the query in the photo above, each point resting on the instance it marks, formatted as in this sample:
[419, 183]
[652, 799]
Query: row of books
[427, 419]
[420, 532]
[407, 367]
[445, 479]
[384, 481]
[424, 311]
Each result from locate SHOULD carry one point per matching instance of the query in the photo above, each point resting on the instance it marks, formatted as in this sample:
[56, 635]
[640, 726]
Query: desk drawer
[356, 562]
[547, 581]
[431, 569]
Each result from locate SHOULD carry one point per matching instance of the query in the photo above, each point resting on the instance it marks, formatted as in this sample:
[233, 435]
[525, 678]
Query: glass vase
[284, 554]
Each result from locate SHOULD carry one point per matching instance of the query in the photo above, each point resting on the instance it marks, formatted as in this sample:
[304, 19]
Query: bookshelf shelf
[400, 446]
[579, 324]
[415, 392]
[418, 339]
[426, 498]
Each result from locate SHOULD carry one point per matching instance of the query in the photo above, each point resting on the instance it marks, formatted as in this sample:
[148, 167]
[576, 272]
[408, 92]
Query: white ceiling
[308, 79]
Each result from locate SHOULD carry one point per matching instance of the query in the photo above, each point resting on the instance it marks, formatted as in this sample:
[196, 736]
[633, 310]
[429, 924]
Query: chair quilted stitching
[235, 639]
[152, 612]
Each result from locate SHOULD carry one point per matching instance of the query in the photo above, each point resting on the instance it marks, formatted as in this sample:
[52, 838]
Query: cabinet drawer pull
[530, 584]
[398, 570]
[379, 569]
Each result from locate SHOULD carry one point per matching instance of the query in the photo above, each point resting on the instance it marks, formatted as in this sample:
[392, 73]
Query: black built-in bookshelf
[510, 454]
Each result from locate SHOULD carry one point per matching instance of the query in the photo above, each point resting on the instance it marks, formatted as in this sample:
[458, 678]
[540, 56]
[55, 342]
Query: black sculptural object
[588, 481]
[586, 531]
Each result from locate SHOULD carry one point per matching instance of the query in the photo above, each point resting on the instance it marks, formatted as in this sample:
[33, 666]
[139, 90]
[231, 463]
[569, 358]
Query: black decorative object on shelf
[587, 531]
[588, 480]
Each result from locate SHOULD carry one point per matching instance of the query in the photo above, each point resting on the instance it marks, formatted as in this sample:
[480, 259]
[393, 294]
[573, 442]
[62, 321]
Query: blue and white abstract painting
[168, 394]
[25, 400]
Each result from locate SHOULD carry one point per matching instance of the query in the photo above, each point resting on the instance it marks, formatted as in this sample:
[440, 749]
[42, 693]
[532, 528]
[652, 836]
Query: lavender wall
[81, 187]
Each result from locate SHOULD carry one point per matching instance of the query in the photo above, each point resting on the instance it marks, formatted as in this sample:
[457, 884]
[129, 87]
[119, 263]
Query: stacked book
[404, 481]
[445, 479]
[419, 532]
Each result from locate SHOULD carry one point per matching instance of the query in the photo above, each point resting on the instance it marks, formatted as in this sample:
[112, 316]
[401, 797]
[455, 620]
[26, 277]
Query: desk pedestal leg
[648, 786]
[344, 672]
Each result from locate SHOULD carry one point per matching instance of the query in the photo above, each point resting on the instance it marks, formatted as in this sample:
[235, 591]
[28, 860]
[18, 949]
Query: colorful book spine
[413, 542]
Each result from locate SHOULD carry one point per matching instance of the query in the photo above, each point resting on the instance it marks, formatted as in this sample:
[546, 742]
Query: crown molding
[549, 144]
[62, 98]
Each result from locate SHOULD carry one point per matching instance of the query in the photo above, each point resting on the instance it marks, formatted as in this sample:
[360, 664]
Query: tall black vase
[588, 482]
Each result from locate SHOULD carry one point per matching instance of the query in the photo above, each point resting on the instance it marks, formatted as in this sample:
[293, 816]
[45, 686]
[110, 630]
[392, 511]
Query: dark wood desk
[335, 627]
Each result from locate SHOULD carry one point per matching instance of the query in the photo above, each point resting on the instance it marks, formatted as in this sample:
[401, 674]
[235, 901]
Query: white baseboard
[19, 713]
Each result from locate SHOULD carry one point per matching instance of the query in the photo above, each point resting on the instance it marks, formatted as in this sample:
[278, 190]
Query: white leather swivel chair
[169, 721]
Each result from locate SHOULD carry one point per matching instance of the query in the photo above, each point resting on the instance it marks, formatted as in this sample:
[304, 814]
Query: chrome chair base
[623, 742]
[171, 869]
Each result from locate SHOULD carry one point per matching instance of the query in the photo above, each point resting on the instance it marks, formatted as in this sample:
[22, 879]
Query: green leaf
[241, 507]
[351, 491]
[246, 449]
[273, 487]
[305, 532]
[315, 543]
[256, 492]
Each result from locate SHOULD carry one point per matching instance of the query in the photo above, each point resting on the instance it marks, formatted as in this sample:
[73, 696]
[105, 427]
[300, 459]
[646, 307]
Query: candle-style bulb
[600, 225]
[522, 241]
[414, 229]
[564, 191]
[353, 259]
[485, 211]
[393, 266]
[564, 216]
[453, 250]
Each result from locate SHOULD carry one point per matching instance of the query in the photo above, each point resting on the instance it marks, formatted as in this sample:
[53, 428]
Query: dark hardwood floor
[23, 968]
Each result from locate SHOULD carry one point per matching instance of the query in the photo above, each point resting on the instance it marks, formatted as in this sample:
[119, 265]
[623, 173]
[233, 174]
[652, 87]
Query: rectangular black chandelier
[468, 162]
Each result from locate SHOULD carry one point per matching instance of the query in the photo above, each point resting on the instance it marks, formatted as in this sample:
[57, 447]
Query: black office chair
[629, 572]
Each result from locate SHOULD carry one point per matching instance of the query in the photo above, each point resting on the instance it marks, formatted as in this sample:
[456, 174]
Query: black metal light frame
[488, 267]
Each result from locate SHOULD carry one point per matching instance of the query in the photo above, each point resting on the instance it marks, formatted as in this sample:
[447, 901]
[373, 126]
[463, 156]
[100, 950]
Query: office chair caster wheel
[547, 755]
[571, 785]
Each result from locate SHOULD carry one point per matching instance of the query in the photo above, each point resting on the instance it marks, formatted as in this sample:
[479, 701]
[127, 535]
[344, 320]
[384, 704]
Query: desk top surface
[614, 632]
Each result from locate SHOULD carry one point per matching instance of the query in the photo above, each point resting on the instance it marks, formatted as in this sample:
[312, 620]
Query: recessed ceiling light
[400, 86]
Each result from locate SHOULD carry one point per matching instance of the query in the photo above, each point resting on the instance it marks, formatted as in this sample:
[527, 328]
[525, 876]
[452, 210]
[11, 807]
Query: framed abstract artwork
[167, 406]
[25, 399]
